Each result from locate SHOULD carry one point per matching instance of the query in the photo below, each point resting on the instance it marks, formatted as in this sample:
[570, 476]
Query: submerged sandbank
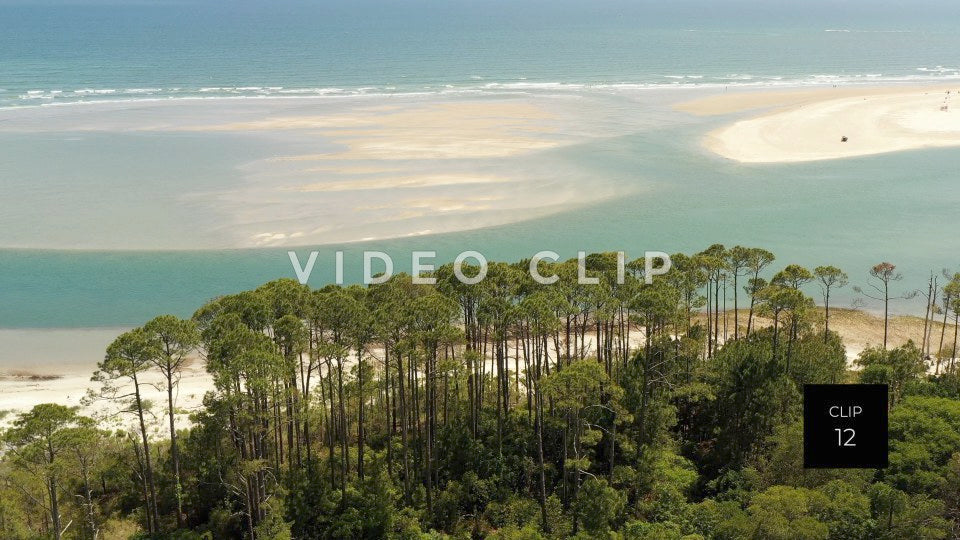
[224, 174]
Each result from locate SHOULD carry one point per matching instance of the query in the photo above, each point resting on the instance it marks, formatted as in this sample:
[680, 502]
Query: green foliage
[781, 463]
[895, 367]
[752, 395]
[272, 526]
[899, 515]
[508, 409]
[924, 435]
[779, 512]
[598, 505]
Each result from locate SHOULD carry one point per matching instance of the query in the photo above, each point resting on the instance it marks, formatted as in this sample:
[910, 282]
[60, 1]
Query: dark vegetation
[505, 409]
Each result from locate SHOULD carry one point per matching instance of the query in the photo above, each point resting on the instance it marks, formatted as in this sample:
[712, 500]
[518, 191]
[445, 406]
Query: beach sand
[20, 390]
[808, 125]
[55, 366]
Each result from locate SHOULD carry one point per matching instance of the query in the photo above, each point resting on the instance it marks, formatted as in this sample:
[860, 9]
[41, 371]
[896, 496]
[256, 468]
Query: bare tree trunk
[826, 314]
[54, 508]
[141, 470]
[956, 328]
[343, 436]
[886, 313]
[360, 414]
[943, 328]
[543, 483]
[430, 375]
[152, 502]
[724, 309]
[174, 448]
[709, 319]
[716, 312]
[386, 409]
[403, 431]
[926, 314]
[736, 314]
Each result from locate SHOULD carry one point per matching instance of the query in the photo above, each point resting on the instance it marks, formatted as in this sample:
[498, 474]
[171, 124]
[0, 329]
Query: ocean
[106, 224]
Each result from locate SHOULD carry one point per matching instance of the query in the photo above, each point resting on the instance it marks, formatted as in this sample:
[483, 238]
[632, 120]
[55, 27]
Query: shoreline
[43, 98]
[831, 123]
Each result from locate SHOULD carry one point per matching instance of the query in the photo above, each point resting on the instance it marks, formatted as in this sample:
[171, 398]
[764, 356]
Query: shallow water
[632, 175]
[850, 213]
[231, 173]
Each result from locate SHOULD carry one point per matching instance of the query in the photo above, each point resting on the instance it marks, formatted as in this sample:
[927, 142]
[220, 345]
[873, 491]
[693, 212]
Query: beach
[20, 390]
[55, 366]
[832, 123]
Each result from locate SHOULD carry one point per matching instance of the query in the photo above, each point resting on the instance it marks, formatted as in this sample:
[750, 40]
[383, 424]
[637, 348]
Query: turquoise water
[627, 59]
[819, 213]
[61, 51]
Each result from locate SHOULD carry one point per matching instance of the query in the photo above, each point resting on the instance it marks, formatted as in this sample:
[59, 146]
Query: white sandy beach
[55, 366]
[808, 125]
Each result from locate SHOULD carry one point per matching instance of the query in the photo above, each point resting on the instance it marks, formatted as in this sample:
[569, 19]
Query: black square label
[844, 426]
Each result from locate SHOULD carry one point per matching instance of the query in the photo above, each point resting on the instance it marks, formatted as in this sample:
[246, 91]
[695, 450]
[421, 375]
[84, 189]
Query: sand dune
[810, 125]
